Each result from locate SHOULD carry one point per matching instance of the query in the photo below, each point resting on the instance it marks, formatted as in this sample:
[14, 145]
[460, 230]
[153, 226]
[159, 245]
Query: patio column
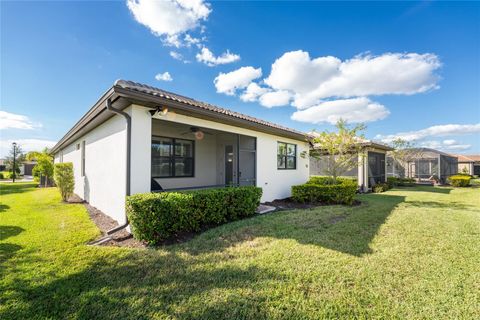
[141, 149]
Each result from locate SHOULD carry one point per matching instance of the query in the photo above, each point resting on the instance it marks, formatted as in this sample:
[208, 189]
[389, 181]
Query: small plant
[380, 187]
[459, 180]
[1, 175]
[63, 176]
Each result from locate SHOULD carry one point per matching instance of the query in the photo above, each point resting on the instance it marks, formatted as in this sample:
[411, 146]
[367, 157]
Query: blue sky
[409, 69]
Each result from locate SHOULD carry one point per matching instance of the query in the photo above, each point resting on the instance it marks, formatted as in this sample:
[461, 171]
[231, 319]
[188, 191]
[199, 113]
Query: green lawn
[408, 253]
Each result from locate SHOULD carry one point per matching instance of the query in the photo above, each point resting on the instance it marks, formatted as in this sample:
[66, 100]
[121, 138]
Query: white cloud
[328, 77]
[25, 144]
[352, 110]
[178, 56]
[446, 145]
[275, 98]
[336, 88]
[164, 76]
[16, 121]
[206, 56]
[169, 18]
[449, 142]
[433, 131]
[229, 83]
[252, 92]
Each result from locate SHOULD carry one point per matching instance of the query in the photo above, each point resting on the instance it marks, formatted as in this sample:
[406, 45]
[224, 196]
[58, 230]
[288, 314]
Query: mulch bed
[288, 204]
[121, 238]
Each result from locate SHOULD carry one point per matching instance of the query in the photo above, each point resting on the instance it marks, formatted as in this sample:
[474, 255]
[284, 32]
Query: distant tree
[44, 166]
[404, 152]
[340, 150]
[64, 179]
[14, 160]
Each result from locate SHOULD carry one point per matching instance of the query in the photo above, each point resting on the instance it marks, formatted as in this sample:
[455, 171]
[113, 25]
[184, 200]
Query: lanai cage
[426, 165]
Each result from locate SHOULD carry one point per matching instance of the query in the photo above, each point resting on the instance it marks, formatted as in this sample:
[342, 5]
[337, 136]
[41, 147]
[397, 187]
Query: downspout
[129, 139]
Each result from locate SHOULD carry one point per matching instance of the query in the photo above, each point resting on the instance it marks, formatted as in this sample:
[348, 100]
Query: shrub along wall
[342, 193]
[155, 217]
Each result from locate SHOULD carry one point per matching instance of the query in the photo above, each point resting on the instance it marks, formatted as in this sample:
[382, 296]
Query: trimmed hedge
[459, 180]
[155, 217]
[380, 187]
[400, 182]
[340, 193]
[329, 180]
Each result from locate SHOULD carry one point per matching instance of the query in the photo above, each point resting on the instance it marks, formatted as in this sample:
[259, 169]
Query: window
[172, 157]
[83, 158]
[286, 156]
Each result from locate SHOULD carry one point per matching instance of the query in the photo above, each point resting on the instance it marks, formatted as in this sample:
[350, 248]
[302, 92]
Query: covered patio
[186, 156]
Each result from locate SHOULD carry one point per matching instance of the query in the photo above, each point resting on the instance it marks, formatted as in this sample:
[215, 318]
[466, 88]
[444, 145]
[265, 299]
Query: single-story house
[371, 168]
[137, 138]
[469, 164]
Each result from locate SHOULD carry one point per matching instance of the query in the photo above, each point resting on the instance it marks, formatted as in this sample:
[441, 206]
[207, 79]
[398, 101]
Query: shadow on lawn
[8, 188]
[145, 285]
[4, 207]
[8, 250]
[346, 229]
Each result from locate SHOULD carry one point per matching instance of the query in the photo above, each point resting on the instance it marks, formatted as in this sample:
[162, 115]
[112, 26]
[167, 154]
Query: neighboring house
[469, 164]
[3, 166]
[426, 165]
[27, 167]
[371, 167]
[138, 138]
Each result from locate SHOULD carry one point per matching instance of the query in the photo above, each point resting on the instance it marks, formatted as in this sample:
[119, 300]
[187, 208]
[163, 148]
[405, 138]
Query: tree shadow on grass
[9, 231]
[342, 228]
[8, 250]
[9, 188]
[4, 207]
[143, 285]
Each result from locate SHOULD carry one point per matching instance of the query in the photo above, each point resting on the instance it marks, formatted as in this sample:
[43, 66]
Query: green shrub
[1, 175]
[380, 187]
[63, 176]
[400, 182]
[341, 193]
[329, 180]
[459, 180]
[155, 217]
[6, 175]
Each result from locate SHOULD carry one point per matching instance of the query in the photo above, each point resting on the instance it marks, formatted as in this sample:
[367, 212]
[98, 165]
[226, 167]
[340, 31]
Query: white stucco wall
[103, 185]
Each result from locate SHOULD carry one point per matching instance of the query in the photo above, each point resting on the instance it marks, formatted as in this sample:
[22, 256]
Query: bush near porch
[156, 217]
[319, 189]
[460, 180]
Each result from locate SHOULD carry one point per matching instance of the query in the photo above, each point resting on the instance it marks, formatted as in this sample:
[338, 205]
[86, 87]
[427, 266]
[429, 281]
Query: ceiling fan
[199, 134]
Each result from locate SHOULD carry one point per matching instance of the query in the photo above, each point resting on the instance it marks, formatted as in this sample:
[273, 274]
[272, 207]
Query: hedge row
[155, 217]
[460, 180]
[340, 193]
[400, 182]
[329, 180]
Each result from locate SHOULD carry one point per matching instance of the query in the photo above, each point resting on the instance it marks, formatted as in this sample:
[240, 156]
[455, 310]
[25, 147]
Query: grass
[407, 253]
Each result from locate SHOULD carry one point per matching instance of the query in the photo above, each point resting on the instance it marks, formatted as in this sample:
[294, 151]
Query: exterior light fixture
[162, 111]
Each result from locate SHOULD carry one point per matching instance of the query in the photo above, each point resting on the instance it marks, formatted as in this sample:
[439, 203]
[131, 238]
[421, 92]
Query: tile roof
[135, 86]
[467, 158]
